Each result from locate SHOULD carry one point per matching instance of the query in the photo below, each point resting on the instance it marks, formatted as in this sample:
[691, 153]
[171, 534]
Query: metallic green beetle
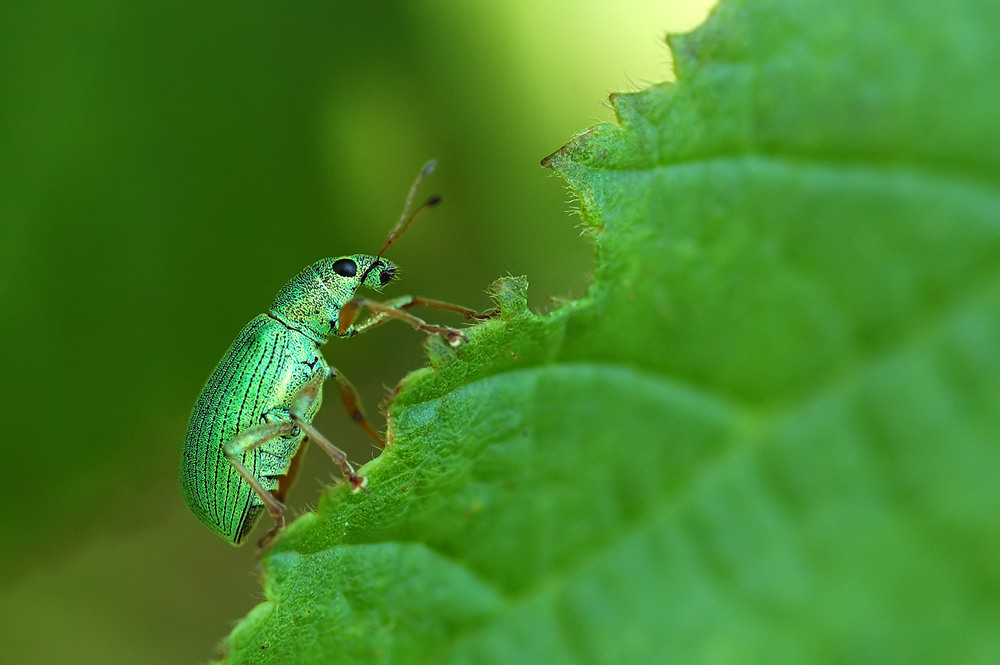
[257, 406]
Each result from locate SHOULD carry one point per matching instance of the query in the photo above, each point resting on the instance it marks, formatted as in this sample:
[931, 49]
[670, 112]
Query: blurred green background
[165, 169]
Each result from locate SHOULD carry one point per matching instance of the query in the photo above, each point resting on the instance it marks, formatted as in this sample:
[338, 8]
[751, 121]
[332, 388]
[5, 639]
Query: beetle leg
[352, 402]
[406, 302]
[336, 454]
[247, 440]
[305, 396]
[395, 309]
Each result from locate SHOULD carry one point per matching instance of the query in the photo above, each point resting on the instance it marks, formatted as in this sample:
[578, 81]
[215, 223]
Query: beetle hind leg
[250, 439]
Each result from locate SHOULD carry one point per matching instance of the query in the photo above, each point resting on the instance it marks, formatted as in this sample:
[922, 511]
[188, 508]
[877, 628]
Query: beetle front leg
[406, 302]
[382, 312]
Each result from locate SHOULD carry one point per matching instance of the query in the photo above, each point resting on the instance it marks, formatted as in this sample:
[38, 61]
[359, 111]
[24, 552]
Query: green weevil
[258, 405]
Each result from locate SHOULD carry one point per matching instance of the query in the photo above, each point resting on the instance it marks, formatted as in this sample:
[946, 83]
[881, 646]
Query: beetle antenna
[406, 218]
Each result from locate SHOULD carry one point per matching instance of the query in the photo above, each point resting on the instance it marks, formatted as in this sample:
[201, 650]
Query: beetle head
[313, 298]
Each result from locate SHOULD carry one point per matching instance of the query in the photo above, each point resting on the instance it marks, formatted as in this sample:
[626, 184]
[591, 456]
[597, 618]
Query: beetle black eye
[345, 267]
[387, 275]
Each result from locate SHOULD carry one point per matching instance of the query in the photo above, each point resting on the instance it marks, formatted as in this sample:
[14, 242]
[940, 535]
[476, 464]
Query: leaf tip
[566, 154]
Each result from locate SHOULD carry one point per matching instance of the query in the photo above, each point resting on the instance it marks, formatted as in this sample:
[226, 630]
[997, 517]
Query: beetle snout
[387, 275]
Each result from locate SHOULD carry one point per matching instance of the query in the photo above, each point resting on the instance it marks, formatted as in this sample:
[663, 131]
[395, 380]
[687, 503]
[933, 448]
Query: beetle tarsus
[483, 316]
[359, 483]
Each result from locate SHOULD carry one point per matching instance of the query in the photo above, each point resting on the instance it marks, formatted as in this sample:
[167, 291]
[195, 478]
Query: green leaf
[769, 433]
